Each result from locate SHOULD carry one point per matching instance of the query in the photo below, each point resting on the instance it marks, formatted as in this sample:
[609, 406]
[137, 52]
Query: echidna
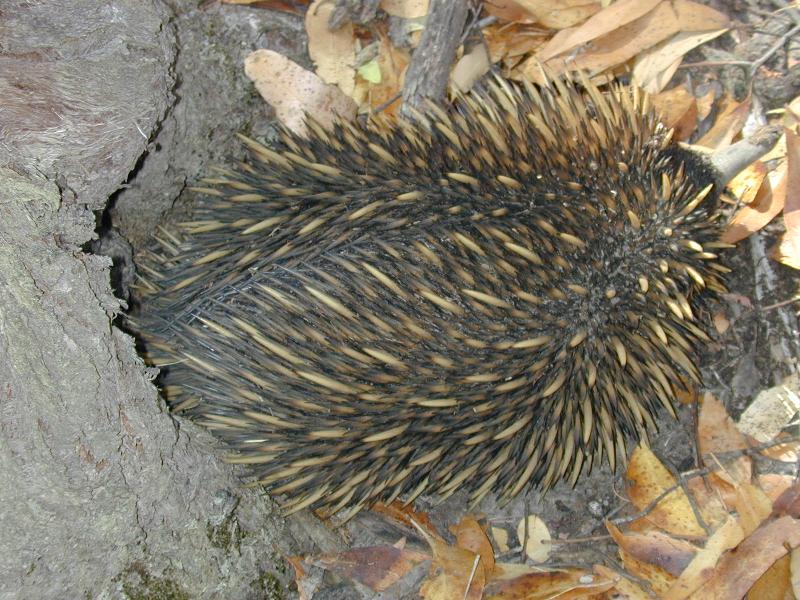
[495, 296]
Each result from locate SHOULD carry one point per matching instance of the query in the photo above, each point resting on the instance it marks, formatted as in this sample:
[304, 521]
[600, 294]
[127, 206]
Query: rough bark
[103, 494]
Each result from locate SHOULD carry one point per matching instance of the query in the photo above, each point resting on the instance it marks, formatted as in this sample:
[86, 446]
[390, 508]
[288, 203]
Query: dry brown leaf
[405, 514]
[771, 411]
[538, 544]
[500, 537]
[518, 582]
[698, 17]
[738, 570]
[788, 452]
[393, 63]
[677, 108]
[700, 570]
[333, 52]
[746, 184]
[778, 151]
[624, 588]
[774, 484]
[794, 560]
[721, 322]
[471, 536]
[767, 204]
[655, 548]
[654, 68]
[788, 251]
[658, 578]
[788, 503]
[650, 479]
[508, 41]
[455, 573]
[377, 567]
[555, 14]
[469, 68]
[775, 584]
[729, 123]
[607, 20]
[306, 584]
[290, 6]
[717, 433]
[752, 505]
[293, 91]
[705, 104]
[405, 9]
[627, 41]
[709, 501]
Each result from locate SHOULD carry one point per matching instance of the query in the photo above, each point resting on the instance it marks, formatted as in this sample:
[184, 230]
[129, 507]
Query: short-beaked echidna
[491, 297]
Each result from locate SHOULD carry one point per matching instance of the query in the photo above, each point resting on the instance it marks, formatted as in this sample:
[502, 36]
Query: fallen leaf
[291, 6]
[607, 20]
[333, 52]
[770, 411]
[393, 63]
[518, 582]
[788, 503]
[627, 41]
[655, 548]
[511, 41]
[650, 479]
[701, 568]
[775, 583]
[727, 125]
[471, 536]
[705, 103]
[455, 573]
[698, 17]
[717, 433]
[767, 204]
[654, 67]
[775, 484]
[500, 537]
[294, 92]
[377, 567]
[739, 569]
[555, 14]
[658, 578]
[405, 9]
[538, 544]
[709, 501]
[624, 588]
[370, 71]
[470, 68]
[721, 323]
[307, 584]
[789, 249]
[752, 505]
[746, 184]
[677, 108]
[405, 514]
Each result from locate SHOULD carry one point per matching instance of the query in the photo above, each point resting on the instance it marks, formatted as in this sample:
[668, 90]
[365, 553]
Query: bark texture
[103, 494]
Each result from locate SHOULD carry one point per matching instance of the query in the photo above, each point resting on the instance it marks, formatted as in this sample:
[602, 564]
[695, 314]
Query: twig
[716, 63]
[773, 49]
[781, 304]
[525, 535]
[429, 70]
[578, 540]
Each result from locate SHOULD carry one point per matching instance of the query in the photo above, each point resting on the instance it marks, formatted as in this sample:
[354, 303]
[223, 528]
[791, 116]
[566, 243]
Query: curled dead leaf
[294, 92]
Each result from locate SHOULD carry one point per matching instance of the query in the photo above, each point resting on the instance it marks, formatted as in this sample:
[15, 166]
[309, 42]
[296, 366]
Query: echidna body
[492, 298]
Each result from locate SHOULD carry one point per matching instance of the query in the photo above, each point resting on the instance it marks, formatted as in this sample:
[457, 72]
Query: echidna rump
[491, 297]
